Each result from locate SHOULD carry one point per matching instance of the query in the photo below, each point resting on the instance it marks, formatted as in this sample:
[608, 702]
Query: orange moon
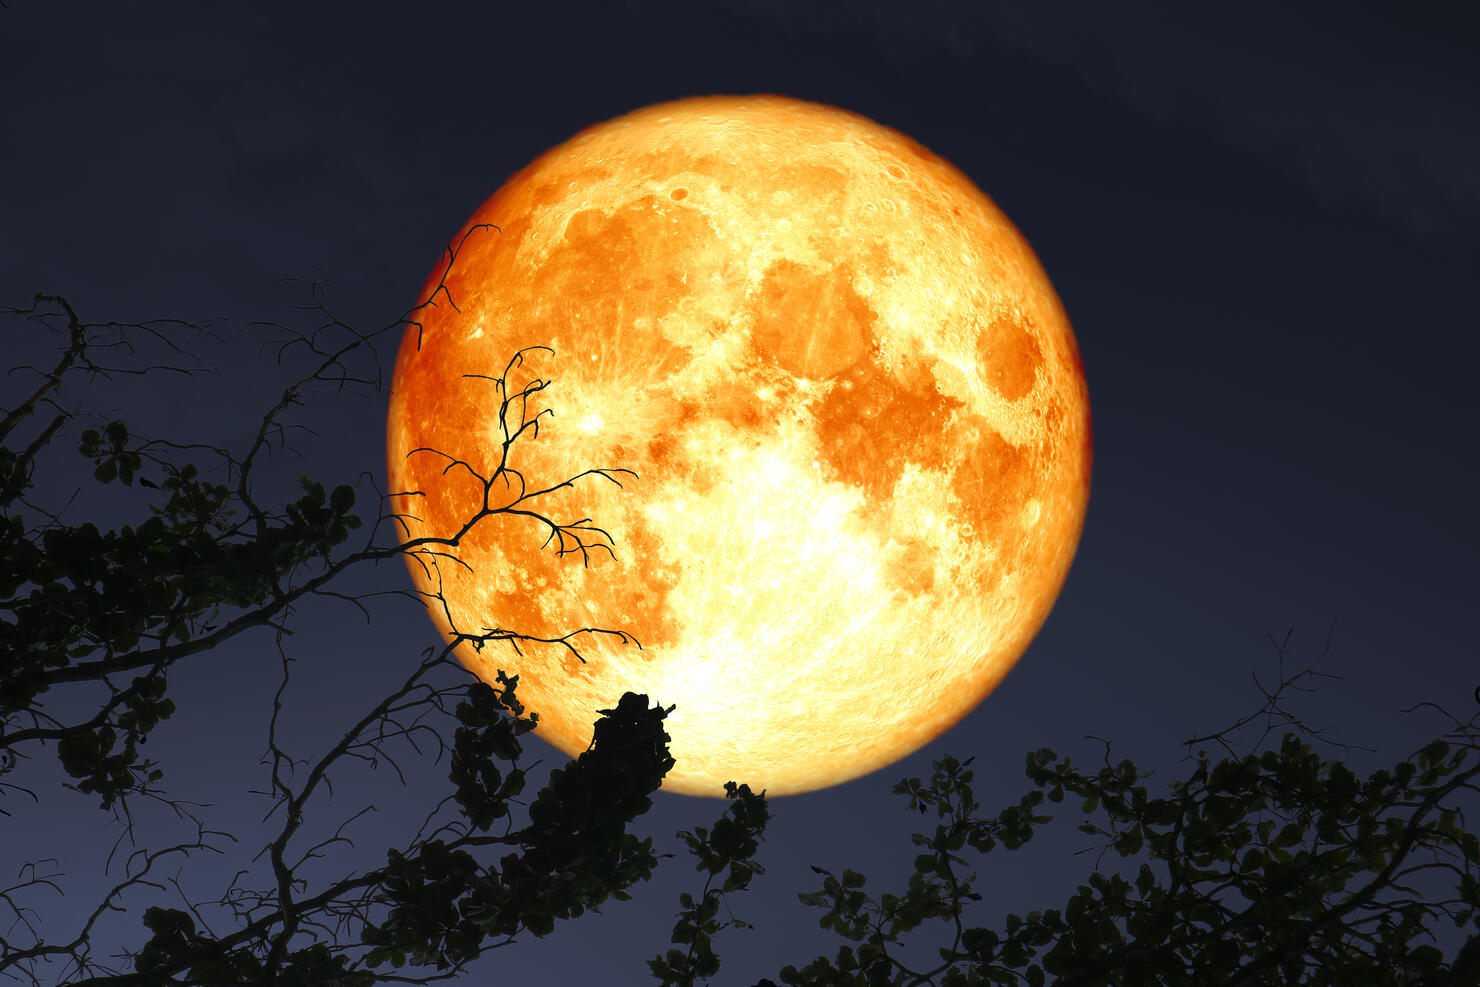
[853, 402]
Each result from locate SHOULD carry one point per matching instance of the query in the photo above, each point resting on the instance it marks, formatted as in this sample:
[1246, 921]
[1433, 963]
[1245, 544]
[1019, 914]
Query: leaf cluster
[726, 854]
[574, 854]
[114, 611]
[1273, 868]
[86, 605]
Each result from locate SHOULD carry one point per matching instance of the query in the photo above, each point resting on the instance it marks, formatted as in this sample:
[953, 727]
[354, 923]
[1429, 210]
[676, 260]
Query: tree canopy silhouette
[1272, 866]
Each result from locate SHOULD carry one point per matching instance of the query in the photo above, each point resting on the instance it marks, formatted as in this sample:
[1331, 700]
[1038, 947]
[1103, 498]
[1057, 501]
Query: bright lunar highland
[855, 410]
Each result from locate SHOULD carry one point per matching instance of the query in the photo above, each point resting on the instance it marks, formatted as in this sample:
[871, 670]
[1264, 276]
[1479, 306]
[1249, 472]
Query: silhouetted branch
[1274, 712]
[234, 562]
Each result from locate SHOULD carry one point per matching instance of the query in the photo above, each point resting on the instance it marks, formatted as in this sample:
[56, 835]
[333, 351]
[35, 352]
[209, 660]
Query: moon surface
[853, 402]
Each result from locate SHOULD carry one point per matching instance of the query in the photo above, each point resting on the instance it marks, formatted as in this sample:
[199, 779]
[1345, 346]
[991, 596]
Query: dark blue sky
[1262, 223]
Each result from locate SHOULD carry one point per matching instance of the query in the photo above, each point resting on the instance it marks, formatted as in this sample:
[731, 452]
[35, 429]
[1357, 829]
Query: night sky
[1262, 224]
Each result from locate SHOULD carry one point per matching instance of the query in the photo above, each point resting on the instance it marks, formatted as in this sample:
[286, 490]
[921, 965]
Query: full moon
[852, 402]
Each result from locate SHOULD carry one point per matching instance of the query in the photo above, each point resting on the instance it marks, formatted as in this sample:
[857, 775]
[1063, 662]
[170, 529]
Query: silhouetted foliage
[95, 621]
[1273, 866]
